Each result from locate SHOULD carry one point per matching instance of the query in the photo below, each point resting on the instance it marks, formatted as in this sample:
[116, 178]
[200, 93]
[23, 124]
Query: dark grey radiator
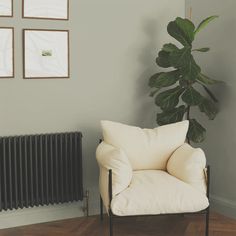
[40, 170]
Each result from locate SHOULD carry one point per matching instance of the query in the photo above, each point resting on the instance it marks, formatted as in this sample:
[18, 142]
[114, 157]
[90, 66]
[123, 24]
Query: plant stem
[188, 113]
[188, 118]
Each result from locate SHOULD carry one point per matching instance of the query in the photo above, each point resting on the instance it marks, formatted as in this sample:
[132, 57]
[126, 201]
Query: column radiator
[40, 170]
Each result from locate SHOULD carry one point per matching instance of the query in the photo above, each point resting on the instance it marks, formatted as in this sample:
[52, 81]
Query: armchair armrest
[111, 158]
[188, 164]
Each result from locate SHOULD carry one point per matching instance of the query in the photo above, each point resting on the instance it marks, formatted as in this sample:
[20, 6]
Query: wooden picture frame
[28, 13]
[46, 54]
[6, 12]
[7, 53]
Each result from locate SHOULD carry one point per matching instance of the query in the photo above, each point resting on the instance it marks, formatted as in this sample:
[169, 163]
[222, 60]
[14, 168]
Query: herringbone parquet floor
[144, 226]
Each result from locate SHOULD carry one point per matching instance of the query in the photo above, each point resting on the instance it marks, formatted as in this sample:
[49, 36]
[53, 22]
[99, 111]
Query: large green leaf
[169, 99]
[192, 97]
[169, 47]
[204, 23]
[196, 132]
[171, 116]
[175, 31]
[191, 70]
[208, 81]
[182, 30]
[164, 79]
[187, 27]
[209, 108]
[201, 50]
[163, 59]
[180, 58]
[152, 80]
[184, 83]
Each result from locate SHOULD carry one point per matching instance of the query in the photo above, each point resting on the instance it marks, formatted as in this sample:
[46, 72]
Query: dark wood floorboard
[142, 226]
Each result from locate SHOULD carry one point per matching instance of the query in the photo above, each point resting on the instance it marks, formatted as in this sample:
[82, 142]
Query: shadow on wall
[146, 60]
[144, 108]
[219, 64]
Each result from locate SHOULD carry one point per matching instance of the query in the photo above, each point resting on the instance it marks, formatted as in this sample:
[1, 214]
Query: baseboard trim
[35, 215]
[223, 206]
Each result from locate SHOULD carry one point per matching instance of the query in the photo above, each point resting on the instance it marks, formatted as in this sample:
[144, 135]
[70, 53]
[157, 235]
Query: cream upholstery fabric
[113, 158]
[157, 192]
[146, 148]
[139, 159]
[187, 164]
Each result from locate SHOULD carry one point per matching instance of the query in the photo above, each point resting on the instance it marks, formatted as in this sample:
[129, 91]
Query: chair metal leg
[111, 224]
[207, 222]
[101, 209]
[208, 209]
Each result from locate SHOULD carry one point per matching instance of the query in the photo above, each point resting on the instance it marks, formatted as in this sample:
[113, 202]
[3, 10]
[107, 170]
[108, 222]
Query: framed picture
[6, 52]
[6, 8]
[46, 9]
[46, 54]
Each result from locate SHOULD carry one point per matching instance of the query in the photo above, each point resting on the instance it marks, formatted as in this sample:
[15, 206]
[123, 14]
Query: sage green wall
[220, 64]
[113, 48]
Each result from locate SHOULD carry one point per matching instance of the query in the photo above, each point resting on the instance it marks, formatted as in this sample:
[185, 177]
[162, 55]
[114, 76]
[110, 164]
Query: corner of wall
[223, 206]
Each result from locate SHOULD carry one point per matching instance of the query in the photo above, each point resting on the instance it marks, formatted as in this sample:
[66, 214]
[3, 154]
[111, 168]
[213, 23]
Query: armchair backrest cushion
[146, 149]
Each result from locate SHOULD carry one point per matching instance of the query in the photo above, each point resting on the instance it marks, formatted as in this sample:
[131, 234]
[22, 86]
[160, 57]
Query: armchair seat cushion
[153, 192]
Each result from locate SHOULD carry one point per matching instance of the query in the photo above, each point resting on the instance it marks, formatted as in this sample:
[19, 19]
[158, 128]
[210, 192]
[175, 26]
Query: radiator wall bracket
[85, 207]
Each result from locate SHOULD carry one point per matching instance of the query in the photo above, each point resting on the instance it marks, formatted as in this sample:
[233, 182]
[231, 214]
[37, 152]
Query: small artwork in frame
[46, 9]
[6, 52]
[46, 54]
[6, 8]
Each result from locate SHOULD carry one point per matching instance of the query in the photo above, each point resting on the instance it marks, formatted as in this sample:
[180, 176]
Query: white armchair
[151, 172]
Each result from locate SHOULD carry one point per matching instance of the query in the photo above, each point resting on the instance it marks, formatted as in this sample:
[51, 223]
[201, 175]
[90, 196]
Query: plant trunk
[188, 118]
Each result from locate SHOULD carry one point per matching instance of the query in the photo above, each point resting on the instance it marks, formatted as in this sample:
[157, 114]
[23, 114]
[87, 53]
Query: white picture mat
[6, 52]
[54, 66]
[55, 9]
[5, 7]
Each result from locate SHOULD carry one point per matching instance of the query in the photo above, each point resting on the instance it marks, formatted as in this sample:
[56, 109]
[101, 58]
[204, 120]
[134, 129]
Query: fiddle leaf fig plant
[176, 90]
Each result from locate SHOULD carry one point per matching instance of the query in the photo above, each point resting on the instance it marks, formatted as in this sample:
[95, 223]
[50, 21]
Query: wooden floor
[145, 226]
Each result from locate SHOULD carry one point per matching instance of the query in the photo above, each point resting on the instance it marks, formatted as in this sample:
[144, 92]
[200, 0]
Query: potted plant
[176, 90]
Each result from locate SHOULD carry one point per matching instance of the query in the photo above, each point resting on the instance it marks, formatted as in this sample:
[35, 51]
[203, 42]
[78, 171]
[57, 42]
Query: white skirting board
[223, 206]
[37, 215]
